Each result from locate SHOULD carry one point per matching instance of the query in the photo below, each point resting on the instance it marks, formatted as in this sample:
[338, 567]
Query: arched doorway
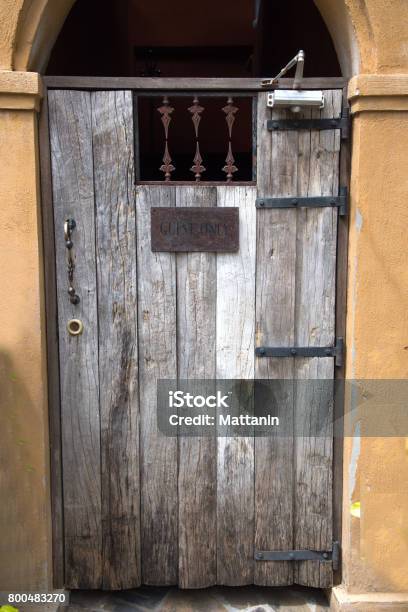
[30, 33]
[190, 487]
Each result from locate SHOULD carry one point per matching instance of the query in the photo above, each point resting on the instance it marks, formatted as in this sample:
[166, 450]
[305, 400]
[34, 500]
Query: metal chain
[69, 226]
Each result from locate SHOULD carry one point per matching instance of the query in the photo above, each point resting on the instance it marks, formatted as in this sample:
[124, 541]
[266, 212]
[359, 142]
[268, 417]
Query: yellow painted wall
[376, 469]
[24, 510]
[370, 36]
[371, 39]
[378, 262]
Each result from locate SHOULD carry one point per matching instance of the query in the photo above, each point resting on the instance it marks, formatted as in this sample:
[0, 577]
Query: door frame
[226, 85]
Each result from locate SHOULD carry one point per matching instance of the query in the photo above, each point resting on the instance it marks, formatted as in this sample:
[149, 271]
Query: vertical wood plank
[235, 359]
[53, 378]
[275, 308]
[196, 324]
[341, 301]
[315, 326]
[72, 168]
[308, 167]
[117, 315]
[157, 359]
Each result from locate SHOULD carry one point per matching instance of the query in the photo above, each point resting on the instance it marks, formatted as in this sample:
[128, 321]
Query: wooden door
[140, 507]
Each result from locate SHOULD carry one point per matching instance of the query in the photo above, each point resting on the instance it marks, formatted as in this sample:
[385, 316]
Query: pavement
[215, 599]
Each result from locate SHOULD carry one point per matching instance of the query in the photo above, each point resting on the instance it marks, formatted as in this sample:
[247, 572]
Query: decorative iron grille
[195, 138]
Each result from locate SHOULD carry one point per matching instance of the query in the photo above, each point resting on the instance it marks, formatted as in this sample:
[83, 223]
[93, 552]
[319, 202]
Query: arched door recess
[20, 57]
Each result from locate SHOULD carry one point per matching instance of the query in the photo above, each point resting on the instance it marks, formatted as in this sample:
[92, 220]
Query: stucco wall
[370, 36]
[24, 518]
[376, 469]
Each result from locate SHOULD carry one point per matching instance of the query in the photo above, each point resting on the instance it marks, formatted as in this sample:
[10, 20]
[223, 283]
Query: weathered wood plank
[72, 168]
[112, 125]
[235, 359]
[312, 169]
[184, 83]
[315, 326]
[275, 307]
[157, 359]
[196, 324]
[340, 371]
[53, 378]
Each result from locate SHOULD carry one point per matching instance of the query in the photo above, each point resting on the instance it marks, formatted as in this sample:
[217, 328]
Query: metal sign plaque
[195, 229]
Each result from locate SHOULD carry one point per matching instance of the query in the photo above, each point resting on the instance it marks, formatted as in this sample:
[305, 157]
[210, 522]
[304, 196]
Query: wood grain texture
[275, 319]
[315, 326]
[72, 168]
[303, 164]
[195, 509]
[235, 359]
[112, 126]
[196, 325]
[157, 359]
[341, 301]
[183, 84]
[51, 321]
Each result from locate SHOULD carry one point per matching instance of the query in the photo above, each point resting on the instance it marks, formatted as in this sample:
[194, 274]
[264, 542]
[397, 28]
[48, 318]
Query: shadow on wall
[20, 476]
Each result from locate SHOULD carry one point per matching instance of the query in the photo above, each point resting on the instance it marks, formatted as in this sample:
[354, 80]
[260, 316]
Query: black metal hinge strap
[304, 351]
[339, 123]
[312, 201]
[293, 555]
[332, 556]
